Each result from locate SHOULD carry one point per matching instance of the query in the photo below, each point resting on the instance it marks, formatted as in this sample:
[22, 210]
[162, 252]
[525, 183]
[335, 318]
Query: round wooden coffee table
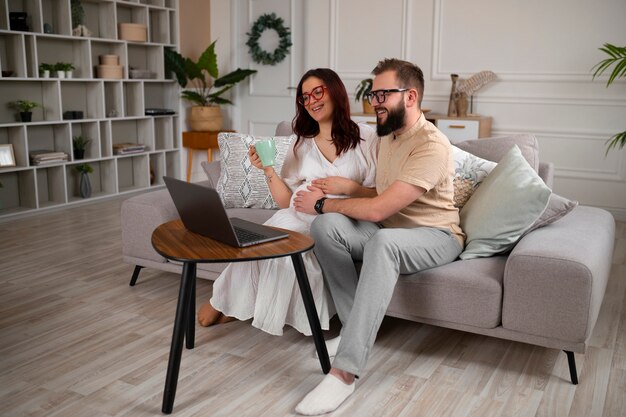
[174, 242]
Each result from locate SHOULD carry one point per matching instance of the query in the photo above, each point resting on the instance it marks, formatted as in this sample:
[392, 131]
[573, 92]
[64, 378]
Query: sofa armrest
[140, 216]
[555, 277]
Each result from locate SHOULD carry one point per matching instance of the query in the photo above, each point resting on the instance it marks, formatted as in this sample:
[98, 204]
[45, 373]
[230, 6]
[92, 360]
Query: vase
[461, 104]
[85, 185]
[451, 104]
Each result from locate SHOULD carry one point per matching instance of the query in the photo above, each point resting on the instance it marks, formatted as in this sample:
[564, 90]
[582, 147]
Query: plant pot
[60, 74]
[367, 107]
[45, 74]
[206, 118]
[26, 116]
[79, 154]
[69, 74]
[85, 185]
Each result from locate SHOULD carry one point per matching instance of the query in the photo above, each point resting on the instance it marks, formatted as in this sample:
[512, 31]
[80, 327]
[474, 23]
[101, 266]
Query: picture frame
[7, 157]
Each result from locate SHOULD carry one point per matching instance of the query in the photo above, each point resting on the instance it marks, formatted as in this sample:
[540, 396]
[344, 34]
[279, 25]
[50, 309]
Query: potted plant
[80, 143]
[25, 108]
[44, 69]
[362, 91]
[617, 56]
[64, 69]
[84, 186]
[207, 86]
[78, 19]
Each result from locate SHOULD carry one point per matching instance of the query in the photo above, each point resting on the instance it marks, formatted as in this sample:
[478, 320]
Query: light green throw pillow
[507, 203]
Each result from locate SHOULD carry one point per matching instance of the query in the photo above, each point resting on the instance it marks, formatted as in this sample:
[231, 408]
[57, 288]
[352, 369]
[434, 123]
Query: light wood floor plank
[77, 340]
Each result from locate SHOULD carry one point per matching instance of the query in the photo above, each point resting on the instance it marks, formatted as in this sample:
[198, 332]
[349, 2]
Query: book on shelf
[47, 157]
[127, 148]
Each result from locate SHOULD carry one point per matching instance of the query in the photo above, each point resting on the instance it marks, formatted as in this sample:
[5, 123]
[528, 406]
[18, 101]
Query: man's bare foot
[208, 315]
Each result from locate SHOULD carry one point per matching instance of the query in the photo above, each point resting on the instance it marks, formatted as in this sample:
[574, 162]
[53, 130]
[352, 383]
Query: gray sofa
[547, 291]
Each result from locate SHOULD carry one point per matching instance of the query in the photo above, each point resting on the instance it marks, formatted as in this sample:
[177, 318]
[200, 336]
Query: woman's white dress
[268, 290]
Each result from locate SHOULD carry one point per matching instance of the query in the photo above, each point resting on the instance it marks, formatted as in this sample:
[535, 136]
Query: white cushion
[240, 183]
[469, 172]
[509, 202]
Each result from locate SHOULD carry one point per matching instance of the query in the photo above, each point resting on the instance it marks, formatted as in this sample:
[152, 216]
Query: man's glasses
[317, 93]
[381, 95]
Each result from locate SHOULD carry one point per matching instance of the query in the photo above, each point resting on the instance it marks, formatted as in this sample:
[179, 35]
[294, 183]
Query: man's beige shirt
[421, 156]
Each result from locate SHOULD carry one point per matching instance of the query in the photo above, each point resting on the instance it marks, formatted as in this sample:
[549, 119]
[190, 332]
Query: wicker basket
[137, 32]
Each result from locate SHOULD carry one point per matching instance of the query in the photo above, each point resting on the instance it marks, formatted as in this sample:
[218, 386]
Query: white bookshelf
[113, 109]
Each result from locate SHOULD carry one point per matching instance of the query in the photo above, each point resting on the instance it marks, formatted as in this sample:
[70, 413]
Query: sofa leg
[133, 280]
[572, 366]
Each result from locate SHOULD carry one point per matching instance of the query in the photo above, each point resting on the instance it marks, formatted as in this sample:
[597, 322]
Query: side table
[173, 241]
[200, 141]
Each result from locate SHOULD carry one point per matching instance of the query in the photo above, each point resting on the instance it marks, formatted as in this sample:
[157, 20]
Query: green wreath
[264, 22]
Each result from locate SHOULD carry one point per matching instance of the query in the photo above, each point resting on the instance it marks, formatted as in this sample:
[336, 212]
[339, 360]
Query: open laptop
[201, 210]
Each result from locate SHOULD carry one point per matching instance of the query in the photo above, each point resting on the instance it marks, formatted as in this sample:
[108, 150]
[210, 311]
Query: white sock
[326, 397]
[331, 346]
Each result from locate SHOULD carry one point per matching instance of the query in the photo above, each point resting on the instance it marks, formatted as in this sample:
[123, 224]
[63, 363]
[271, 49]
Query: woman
[332, 153]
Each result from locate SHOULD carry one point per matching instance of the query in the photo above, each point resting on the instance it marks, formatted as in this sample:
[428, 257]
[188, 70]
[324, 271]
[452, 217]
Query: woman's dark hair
[345, 133]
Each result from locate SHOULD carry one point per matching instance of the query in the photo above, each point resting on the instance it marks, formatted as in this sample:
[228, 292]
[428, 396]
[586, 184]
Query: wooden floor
[76, 340]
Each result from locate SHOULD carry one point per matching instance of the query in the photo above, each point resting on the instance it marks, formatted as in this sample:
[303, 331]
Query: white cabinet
[459, 129]
[107, 111]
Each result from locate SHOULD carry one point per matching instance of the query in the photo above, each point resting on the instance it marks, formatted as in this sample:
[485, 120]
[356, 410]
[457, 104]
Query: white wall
[542, 52]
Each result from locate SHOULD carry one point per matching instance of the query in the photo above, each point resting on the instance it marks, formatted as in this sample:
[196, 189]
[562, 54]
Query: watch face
[319, 205]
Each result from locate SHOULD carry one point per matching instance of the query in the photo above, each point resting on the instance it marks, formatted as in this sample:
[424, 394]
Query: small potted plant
[25, 108]
[84, 186]
[80, 143]
[63, 69]
[44, 69]
[362, 91]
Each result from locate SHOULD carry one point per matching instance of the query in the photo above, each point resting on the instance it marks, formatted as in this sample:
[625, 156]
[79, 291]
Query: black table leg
[180, 323]
[311, 312]
[191, 316]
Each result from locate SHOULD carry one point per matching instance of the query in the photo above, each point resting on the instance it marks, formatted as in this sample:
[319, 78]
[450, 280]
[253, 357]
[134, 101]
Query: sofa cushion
[469, 171]
[465, 292]
[507, 203]
[495, 148]
[240, 183]
[557, 208]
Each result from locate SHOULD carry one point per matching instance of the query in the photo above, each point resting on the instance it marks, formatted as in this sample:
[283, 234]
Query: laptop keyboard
[246, 236]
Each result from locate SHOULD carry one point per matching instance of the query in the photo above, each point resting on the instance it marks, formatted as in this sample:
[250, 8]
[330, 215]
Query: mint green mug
[266, 149]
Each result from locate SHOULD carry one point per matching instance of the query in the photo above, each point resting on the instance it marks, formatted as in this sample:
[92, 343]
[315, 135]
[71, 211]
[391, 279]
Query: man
[410, 226]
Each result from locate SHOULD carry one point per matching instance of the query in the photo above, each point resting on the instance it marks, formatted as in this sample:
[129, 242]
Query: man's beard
[395, 121]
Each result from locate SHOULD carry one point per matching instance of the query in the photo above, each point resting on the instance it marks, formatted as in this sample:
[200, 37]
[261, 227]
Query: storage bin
[110, 71]
[133, 32]
[109, 60]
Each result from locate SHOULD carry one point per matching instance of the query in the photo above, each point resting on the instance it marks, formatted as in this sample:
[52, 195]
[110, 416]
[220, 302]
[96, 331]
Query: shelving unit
[113, 109]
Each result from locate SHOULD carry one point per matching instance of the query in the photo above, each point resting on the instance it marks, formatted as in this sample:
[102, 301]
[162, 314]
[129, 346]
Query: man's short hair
[408, 74]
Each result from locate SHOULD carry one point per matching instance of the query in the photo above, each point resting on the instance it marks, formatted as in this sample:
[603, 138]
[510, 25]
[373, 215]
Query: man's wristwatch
[319, 205]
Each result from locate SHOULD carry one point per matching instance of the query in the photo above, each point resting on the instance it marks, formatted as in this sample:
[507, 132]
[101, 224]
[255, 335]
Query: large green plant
[203, 75]
[617, 57]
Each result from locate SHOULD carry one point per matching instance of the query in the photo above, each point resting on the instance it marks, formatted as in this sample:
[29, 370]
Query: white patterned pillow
[241, 184]
[469, 172]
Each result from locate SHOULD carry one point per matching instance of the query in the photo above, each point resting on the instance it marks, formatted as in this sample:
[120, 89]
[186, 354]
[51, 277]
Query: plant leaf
[194, 97]
[233, 77]
[617, 141]
[208, 61]
[176, 63]
[221, 100]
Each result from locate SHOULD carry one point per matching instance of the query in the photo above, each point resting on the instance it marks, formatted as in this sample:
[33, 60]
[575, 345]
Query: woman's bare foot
[208, 315]
[225, 319]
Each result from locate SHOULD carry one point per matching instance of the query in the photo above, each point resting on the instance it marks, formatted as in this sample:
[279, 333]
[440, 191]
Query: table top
[173, 241]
